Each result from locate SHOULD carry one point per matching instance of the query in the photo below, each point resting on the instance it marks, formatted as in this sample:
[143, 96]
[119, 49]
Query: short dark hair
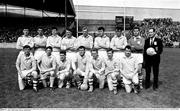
[110, 50]
[69, 29]
[81, 47]
[54, 28]
[128, 47]
[63, 52]
[25, 29]
[118, 29]
[49, 47]
[26, 47]
[136, 28]
[94, 49]
[152, 28]
[101, 28]
[84, 28]
[39, 28]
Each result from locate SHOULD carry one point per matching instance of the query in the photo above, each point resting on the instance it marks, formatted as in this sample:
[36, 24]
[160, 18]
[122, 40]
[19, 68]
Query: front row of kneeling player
[80, 70]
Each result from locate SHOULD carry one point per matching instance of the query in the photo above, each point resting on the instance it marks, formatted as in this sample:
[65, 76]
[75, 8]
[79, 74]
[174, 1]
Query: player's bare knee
[90, 75]
[52, 73]
[35, 74]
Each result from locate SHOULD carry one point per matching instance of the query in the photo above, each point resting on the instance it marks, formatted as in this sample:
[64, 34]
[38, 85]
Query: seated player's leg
[140, 74]
[90, 79]
[77, 79]
[61, 78]
[35, 80]
[135, 83]
[109, 82]
[114, 81]
[21, 79]
[43, 77]
[127, 85]
[52, 77]
[68, 78]
[21, 82]
[101, 80]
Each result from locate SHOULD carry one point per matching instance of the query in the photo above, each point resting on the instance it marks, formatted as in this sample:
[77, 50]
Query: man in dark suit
[152, 60]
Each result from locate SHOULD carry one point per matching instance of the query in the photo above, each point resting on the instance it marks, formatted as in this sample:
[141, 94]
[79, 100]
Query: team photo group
[58, 62]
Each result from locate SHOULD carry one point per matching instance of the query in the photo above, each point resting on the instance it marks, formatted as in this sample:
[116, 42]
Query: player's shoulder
[114, 37]
[80, 36]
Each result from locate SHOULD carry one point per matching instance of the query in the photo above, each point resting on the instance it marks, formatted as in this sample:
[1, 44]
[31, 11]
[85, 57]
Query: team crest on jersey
[155, 43]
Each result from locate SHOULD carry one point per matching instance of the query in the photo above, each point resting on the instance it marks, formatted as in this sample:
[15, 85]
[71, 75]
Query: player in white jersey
[81, 68]
[111, 71]
[47, 67]
[25, 39]
[102, 43]
[96, 67]
[68, 44]
[26, 66]
[55, 42]
[129, 70]
[137, 44]
[39, 44]
[85, 40]
[63, 70]
[118, 43]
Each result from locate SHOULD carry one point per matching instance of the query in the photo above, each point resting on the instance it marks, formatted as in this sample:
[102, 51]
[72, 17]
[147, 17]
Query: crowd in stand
[167, 30]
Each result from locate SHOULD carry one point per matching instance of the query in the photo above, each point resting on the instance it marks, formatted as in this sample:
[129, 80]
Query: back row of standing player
[71, 44]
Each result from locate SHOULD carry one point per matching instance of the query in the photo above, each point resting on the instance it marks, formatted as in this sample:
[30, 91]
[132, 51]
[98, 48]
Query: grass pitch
[167, 96]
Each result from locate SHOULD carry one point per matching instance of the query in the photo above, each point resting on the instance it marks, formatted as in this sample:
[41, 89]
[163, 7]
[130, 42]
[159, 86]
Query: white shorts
[102, 54]
[63, 75]
[139, 57]
[134, 79]
[81, 74]
[25, 74]
[118, 55]
[45, 75]
[20, 78]
[38, 54]
[57, 56]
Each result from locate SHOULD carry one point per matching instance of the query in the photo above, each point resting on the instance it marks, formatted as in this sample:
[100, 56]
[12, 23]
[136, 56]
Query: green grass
[167, 96]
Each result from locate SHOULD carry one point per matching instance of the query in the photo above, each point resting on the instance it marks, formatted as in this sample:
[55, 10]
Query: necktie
[151, 42]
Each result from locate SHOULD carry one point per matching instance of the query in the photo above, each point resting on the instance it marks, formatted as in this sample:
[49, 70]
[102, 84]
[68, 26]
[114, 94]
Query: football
[150, 51]
[84, 87]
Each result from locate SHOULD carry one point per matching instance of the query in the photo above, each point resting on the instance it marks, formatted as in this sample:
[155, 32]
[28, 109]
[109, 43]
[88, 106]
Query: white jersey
[87, 42]
[24, 40]
[47, 62]
[102, 42]
[118, 43]
[54, 42]
[40, 41]
[68, 43]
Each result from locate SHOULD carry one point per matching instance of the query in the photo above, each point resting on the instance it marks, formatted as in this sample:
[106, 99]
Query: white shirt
[128, 65]
[118, 42]
[87, 41]
[24, 40]
[54, 42]
[102, 42]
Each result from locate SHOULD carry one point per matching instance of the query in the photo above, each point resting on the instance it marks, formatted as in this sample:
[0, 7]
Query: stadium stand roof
[57, 6]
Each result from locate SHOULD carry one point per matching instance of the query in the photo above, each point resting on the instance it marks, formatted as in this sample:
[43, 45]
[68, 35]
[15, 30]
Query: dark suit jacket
[158, 46]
